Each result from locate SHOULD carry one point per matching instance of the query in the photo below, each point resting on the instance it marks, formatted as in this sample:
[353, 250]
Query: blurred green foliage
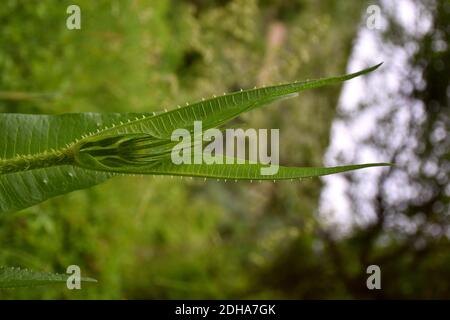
[144, 237]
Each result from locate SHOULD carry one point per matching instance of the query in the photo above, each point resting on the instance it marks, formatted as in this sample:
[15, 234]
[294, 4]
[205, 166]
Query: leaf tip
[377, 66]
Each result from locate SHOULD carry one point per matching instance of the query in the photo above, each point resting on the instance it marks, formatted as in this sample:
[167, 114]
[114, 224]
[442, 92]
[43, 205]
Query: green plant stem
[36, 161]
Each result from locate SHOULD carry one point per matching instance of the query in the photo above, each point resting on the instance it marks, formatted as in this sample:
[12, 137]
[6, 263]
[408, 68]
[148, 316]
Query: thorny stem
[37, 161]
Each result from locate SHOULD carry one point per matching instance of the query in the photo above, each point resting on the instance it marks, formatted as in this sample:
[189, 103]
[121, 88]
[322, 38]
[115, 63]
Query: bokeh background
[157, 238]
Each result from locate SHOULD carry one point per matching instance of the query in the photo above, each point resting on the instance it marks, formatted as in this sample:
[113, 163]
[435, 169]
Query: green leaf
[42, 156]
[219, 110]
[15, 277]
[33, 134]
[251, 171]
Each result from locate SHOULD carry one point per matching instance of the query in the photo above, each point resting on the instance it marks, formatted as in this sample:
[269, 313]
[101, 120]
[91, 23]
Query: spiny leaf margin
[13, 277]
